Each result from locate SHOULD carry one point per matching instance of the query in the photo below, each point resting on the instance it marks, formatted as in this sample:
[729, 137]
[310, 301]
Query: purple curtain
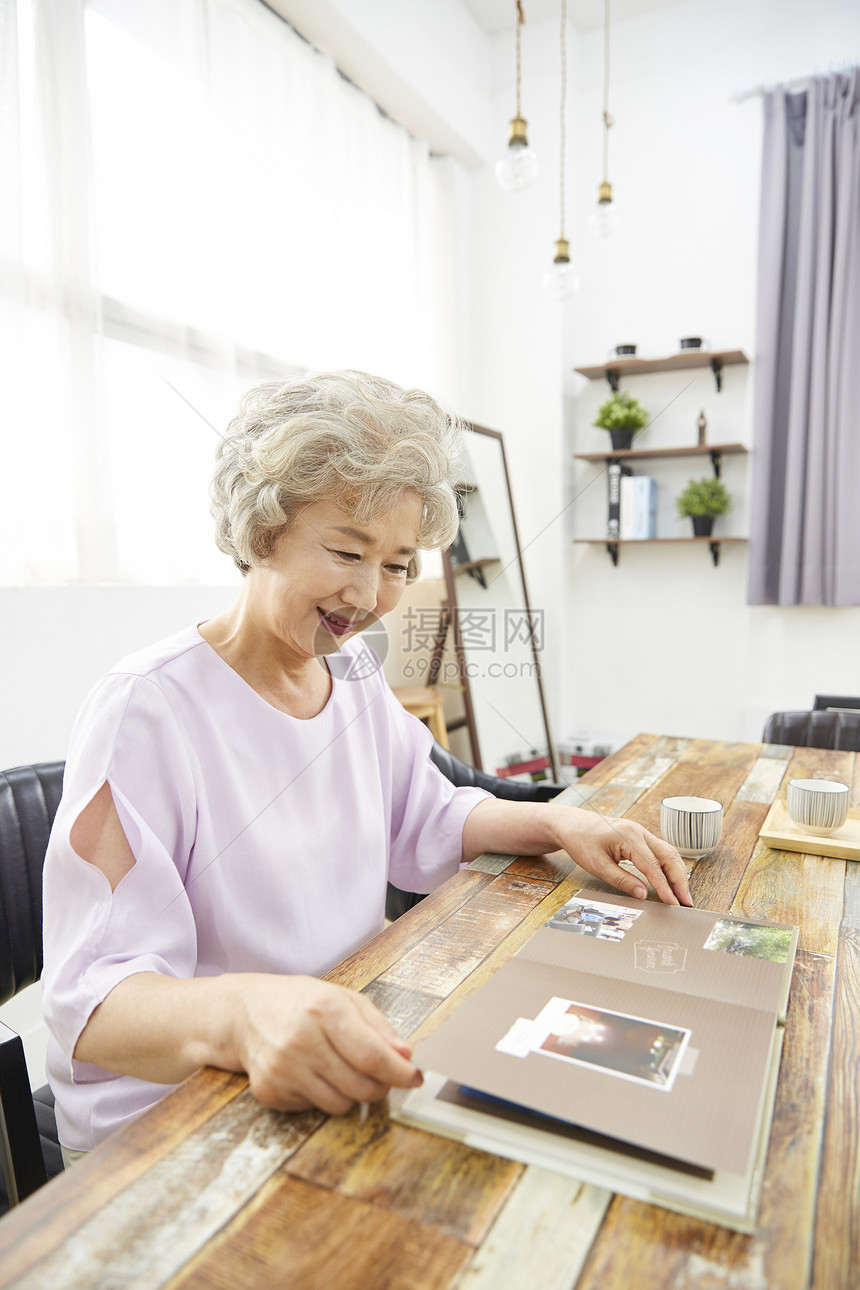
[805, 504]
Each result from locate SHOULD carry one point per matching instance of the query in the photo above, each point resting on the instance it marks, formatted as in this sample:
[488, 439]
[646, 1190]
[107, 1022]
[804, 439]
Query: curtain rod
[795, 83]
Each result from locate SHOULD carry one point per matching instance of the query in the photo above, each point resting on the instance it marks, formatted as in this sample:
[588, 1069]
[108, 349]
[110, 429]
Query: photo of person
[593, 918]
[733, 936]
[634, 1048]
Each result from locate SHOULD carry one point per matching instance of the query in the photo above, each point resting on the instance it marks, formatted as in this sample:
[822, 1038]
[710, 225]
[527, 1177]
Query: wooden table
[210, 1190]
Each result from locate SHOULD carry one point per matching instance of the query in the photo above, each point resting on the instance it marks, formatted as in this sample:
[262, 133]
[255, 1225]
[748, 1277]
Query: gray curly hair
[345, 436]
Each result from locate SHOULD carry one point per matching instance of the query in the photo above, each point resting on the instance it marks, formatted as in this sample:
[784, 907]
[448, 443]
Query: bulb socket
[562, 251]
[604, 193]
[518, 136]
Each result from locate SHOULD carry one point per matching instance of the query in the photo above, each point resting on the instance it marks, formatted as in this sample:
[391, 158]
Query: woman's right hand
[302, 1042]
[305, 1043]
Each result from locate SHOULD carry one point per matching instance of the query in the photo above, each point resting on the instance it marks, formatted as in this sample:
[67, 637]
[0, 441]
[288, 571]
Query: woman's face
[328, 577]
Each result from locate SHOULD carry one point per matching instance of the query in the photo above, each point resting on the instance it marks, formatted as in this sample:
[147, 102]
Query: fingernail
[640, 893]
[417, 1080]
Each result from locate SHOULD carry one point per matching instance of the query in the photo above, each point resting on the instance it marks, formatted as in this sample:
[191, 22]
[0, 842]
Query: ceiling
[585, 15]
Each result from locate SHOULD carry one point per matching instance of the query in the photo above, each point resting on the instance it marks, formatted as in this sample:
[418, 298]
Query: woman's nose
[363, 589]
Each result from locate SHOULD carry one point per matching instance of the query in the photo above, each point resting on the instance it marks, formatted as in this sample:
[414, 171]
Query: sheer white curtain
[192, 199]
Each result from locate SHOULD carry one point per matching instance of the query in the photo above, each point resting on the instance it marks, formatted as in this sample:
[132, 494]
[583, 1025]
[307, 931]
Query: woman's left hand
[596, 842]
[599, 843]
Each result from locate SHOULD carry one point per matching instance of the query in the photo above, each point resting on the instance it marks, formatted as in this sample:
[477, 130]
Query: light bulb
[604, 219]
[561, 279]
[518, 166]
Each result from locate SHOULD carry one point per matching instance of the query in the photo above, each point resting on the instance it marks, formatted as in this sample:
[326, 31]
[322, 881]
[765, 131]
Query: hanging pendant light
[560, 281]
[604, 217]
[518, 167]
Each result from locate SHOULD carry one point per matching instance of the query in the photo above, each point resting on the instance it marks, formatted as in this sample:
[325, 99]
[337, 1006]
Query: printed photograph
[731, 936]
[633, 1048]
[592, 918]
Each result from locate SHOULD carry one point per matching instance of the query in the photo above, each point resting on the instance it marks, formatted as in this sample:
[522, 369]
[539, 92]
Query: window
[192, 199]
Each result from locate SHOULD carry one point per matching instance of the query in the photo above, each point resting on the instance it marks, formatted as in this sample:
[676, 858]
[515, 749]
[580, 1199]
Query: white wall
[666, 641]
[518, 332]
[58, 641]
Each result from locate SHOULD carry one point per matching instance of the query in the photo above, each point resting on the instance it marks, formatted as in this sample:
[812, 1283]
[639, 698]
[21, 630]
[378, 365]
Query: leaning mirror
[497, 635]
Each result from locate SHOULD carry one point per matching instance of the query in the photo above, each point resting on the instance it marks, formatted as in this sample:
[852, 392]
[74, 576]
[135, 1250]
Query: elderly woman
[237, 796]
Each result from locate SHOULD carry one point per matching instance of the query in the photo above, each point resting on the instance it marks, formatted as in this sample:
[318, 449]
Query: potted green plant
[702, 499]
[622, 416]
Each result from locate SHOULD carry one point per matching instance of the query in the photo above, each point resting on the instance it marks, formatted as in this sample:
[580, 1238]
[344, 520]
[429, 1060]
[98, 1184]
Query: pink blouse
[262, 842]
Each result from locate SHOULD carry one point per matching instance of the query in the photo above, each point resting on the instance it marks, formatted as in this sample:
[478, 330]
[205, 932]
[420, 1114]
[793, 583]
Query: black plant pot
[702, 525]
[622, 439]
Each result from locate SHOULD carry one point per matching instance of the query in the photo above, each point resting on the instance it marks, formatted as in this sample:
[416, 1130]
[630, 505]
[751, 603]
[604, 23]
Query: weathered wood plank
[371, 959]
[715, 879]
[31, 1232]
[783, 751]
[763, 780]
[687, 779]
[577, 792]
[649, 1248]
[614, 799]
[717, 752]
[551, 868]
[645, 771]
[541, 1238]
[417, 1175]
[836, 1263]
[492, 863]
[609, 767]
[504, 951]
[819, 763]
[162, 1219]
[542, 868]
[306, 1238]
[851, 913]
[405, 1009]
[789, 887]
[455, 948]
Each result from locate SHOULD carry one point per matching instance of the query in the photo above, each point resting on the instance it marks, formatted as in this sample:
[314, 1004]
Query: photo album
[634, 1046]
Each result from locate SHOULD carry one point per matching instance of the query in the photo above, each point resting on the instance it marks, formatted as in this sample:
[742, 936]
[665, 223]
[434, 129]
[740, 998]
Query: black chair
[397, 902]
[29, 1149]
[818, 728]
[839, 701]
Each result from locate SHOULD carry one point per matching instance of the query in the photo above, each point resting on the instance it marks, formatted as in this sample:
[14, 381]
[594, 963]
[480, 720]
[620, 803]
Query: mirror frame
[451, 591]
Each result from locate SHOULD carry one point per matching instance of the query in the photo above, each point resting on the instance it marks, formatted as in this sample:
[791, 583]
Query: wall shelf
[468, 566]
[716, 451]
[612, 544]
[627, 365]
[614, 368]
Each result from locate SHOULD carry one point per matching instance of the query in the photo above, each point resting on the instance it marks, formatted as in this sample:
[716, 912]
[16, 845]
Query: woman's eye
[399, 568]
[348, 555]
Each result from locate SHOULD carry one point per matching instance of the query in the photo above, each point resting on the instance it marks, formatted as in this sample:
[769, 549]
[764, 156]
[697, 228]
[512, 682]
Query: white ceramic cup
[693, 825]
[818, 805]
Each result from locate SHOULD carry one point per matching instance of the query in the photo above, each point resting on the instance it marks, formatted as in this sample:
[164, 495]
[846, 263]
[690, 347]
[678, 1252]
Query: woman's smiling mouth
[335, 624]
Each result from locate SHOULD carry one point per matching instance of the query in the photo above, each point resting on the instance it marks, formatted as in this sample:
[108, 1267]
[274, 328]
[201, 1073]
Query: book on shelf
[633, 1045]
[638, 500]
[615, 473]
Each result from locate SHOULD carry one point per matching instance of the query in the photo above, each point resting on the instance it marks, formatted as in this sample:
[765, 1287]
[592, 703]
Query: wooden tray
[780, 831]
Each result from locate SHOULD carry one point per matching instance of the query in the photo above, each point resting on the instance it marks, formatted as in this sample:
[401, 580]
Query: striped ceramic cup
[691, 824]
[818, 805]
